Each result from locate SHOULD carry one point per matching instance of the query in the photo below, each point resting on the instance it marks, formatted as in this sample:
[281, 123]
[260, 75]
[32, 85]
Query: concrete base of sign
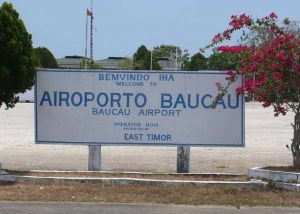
[94, 158]
[284, 180]
[183, 159]
[4, 176]
[276, 176]
[288, 186]
[111, 180]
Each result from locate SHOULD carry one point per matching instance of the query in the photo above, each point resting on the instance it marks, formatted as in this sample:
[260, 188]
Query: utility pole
[151, 60]
[91, 39]
[94, 162]
[176, 60]
[86, 39]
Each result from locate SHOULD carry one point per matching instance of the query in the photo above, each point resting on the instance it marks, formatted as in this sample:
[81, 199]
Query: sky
[122, 26]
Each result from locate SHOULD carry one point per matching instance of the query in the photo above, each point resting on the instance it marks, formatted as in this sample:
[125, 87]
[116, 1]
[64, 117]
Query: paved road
[83, 208]
[266, 139]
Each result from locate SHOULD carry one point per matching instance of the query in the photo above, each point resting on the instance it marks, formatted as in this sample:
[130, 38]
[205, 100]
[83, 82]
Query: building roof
[70, 62]
[111, 63]
[169, 65]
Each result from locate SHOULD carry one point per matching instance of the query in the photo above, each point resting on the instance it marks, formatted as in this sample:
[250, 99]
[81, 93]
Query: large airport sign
[136, 108]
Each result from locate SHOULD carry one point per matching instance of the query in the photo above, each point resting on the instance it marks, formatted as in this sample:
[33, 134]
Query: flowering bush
[271, 70]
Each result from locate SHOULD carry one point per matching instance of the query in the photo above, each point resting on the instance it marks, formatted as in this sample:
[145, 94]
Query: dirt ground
[266, 140]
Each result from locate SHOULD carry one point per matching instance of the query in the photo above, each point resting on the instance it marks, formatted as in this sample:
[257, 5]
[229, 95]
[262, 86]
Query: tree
[147, 61]
[223, 61]
[142, 59]
[198, 62]
[17, 66]
[45, 58]
[185, 59]
[275, 63]
[167, 51]
[172, 52]
[138, 58]
[259, 34]
[89, 64]
[292, 27]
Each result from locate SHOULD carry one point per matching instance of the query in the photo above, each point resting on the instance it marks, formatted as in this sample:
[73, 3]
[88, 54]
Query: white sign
[136, 108]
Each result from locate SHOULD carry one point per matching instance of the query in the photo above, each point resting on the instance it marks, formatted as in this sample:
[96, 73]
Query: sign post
[183, 159]
[94, 163]
[138, 109]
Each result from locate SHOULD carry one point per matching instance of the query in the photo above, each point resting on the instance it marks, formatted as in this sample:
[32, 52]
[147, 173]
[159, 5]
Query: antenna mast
[91, 39]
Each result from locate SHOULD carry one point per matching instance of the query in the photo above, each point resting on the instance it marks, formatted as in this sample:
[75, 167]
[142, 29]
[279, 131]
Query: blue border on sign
[242, 143]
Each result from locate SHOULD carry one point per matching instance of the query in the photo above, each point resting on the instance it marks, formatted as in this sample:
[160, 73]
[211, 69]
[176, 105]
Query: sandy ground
[266, 139]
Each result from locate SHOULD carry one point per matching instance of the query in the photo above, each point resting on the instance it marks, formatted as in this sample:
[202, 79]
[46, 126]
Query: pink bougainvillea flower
[278, 75]
[270, 70]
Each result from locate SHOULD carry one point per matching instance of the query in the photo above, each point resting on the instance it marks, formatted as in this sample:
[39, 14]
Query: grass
[158, 194]
[187, 194]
